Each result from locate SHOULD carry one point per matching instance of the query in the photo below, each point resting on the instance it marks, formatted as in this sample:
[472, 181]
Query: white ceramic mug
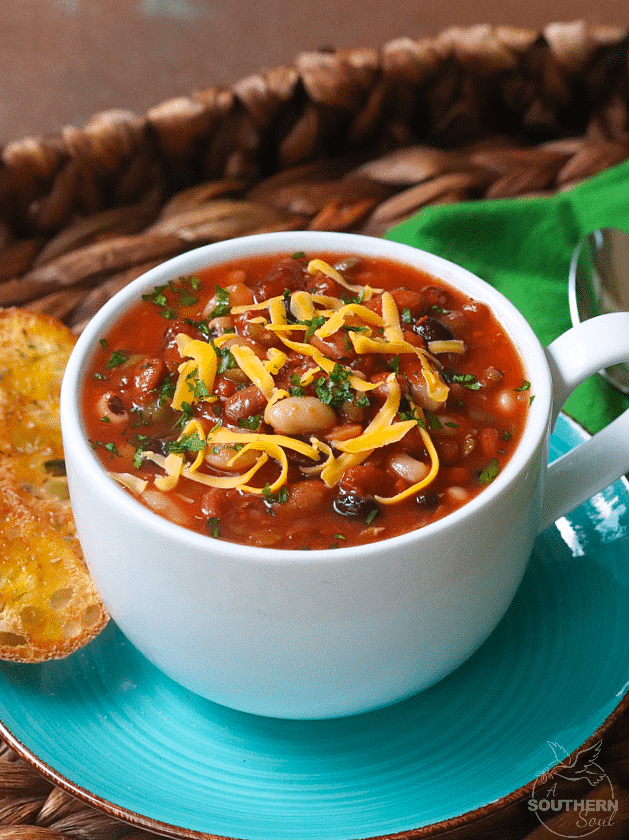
[300, 634]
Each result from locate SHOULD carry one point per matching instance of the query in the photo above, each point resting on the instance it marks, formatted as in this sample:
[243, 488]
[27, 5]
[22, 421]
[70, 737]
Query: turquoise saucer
[106, 726]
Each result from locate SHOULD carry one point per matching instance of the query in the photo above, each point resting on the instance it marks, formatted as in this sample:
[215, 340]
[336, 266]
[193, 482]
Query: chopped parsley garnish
[166, 390]
[138, 457]
[506, 435]
[186, 415]
[336, 389]
[278, 498]
[201, 326]
[252, 423]
[116, 359]
[99, 376]
[467, 380]
[406, 317]
[313, 324]
[186, 443]
[432, 420]
[297, 389]
[490, 472]
[103, 343]
[372, 515]
[160, 300]
[394, 364]
[110, 447]
[412, 415]
[525, 386]
[226, 360]
[222, 305]
[196, 386]
[180, 292]
[299, 255]
[212, 526]
[347, 299]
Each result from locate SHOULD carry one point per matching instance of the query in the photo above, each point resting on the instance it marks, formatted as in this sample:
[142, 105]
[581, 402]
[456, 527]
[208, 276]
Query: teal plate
[106, 726]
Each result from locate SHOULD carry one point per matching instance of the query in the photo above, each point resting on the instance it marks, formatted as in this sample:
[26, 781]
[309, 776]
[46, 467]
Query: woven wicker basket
[355, 140]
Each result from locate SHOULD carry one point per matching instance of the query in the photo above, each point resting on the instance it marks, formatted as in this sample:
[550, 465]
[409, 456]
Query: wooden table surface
[63, 60]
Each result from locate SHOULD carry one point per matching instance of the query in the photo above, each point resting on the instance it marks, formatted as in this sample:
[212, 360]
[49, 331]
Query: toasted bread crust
[49, 606]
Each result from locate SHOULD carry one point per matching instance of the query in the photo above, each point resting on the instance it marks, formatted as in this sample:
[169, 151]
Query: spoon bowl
[598, 283]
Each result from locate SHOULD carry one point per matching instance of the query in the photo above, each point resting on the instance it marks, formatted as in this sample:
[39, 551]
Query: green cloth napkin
[523, 247]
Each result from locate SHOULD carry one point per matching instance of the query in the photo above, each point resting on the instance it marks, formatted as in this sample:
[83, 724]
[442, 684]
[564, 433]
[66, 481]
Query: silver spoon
[598, 282]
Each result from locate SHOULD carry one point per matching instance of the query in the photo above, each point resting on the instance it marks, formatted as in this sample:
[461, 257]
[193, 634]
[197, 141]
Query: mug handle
[598, 462]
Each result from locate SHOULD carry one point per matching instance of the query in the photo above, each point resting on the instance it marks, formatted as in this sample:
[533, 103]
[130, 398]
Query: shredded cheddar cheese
[322, 316]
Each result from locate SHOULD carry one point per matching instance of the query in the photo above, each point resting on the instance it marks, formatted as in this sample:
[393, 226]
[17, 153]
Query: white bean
[299, 416]
[222, 324]
[104, 409]
[166, 505]
[507, 401]
[408, 468]
[457, 495]
[219, 455]
[419, 390]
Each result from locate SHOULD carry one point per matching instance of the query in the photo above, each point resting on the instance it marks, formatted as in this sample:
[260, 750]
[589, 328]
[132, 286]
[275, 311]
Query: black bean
[355, 506]
[427, 501]
[115, 404]
[157, 445]
[432, 330]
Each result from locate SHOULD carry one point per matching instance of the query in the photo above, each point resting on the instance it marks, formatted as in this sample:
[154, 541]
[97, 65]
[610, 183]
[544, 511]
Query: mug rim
[526, 343]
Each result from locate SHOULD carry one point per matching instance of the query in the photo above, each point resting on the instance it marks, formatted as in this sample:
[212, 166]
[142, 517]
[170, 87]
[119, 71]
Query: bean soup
[305, 402]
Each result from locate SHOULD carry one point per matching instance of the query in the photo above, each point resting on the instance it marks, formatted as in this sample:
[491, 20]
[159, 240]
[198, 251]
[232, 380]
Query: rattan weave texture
[355, 140]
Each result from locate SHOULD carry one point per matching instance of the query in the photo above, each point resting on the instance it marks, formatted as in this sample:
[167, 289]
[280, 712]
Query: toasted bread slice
[49, 606]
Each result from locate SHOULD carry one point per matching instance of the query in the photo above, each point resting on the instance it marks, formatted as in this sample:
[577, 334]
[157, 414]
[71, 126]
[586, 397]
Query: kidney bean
[456, 475]
[243, 341]
[363, 480]
[287, 274]
[434, 296]
[476, 312]
[214, 502]
[336, 346]
[245, 403]
[224, 387]
[448, 450]
[408, 299]
[306, 496]
[239, 295]
[488, 438]
[147, 376]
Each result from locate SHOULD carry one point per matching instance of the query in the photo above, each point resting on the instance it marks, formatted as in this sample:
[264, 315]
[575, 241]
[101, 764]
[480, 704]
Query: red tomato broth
[129, 390]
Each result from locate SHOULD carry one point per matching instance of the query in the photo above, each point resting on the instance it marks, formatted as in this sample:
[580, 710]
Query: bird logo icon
[581, 767]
